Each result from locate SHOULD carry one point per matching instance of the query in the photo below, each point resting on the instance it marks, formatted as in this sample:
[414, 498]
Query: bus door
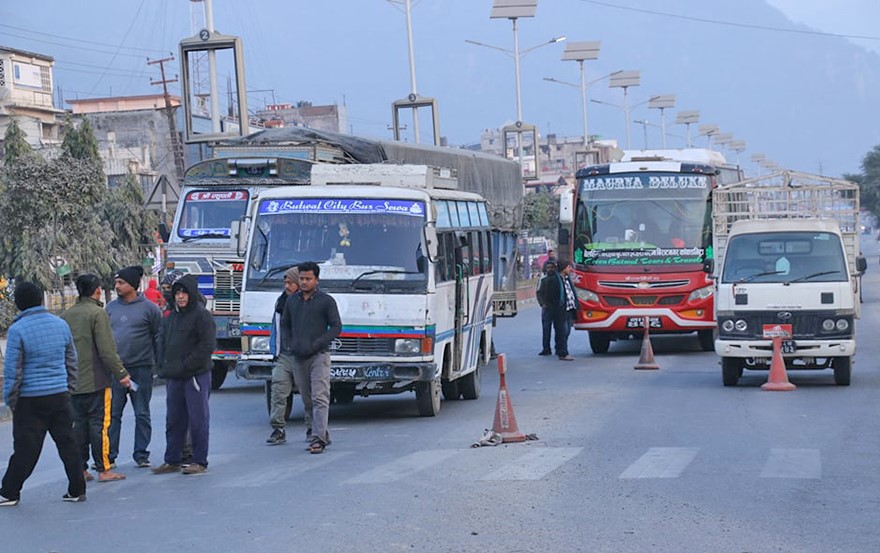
[462, 296]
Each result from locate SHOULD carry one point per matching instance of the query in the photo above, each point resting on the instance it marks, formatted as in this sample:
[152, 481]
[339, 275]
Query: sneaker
[166, 468]
[73, 498]
[195, 468]
[6, 502]
[143, 463]
[546, 352]
[566, 358]
[277, 438]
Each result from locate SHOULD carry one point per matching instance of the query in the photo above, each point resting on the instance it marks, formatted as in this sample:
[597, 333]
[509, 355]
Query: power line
[84, 41]
[731, 23]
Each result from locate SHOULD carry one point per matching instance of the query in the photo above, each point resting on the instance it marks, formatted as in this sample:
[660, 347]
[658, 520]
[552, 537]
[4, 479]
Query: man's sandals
[316, 447]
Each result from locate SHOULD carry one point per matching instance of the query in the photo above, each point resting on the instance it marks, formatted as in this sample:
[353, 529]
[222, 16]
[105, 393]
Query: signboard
[777, 331]
[353, 206]
[27, 75]
[218, 196]
[646, 182]
[639, 257]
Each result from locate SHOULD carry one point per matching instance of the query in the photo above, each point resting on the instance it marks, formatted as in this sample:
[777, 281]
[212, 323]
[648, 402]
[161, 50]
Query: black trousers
[32, 418]
[91, 422]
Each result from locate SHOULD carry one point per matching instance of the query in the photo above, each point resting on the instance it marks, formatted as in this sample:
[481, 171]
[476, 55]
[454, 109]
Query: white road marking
[793, 463]
[661, 462]
[536, 464]
[290, 467]
[404, 466]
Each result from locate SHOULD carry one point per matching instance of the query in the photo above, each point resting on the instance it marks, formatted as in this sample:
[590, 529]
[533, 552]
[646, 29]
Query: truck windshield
[361, 245]
[642, 219]
[210, 213]
[785, 257]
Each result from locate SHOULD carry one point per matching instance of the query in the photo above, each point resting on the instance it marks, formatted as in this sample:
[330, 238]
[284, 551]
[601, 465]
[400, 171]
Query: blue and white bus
[408, 259]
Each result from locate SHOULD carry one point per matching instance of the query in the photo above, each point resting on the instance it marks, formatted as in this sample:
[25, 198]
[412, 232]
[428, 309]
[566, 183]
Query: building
[26, 95]
[333, 118]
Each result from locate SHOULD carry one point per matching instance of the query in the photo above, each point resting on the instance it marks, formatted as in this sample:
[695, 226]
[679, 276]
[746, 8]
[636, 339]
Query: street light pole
[687, 118]
[580, 52]
[624, 80]
[662, 102]
[412, 68]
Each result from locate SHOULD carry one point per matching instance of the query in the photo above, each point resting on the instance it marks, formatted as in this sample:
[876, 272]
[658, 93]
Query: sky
[354, 52]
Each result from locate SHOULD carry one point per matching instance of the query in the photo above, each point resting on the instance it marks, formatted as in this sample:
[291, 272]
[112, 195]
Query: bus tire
[450, 389]
[707, 339]
[428, 397]
[599, 342]
[731, 370]
[218, 374]
[842, 370]
[470, 384]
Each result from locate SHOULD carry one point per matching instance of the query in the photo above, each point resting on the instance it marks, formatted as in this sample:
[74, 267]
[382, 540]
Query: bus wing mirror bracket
[431, 243]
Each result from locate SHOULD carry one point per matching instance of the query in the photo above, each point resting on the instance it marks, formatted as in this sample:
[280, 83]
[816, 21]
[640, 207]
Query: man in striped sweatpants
[98, 364]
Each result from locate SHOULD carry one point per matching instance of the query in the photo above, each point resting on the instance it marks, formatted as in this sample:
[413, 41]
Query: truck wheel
[469, 384]
[218, 374]
[707, 339]
[731, 370]
[287, 408]
[450, 389]
[842, 370]
[428, 397]
[599, 342]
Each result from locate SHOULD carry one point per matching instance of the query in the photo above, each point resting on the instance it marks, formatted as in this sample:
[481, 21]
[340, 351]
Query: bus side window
[487, 252]
[476, 240]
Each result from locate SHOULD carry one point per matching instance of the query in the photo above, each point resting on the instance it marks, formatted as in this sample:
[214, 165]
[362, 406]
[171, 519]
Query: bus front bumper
[346, 371]
[623, 320]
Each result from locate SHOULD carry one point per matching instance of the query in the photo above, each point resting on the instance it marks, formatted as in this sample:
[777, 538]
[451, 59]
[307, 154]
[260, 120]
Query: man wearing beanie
[99, 365]
[39, 374]
[135, 322]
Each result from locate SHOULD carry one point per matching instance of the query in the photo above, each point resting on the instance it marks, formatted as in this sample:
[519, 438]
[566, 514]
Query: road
[665, 460]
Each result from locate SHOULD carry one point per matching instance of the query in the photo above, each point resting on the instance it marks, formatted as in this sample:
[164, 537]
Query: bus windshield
[210, 213]
[643, 219]
[361, 245]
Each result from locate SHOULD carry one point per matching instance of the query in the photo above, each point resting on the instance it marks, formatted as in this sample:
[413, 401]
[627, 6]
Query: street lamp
[580, 52]
[723, 139]
[624, 80]
[644, 123]
[738, 146]
[687, 118]
[583, 87]
[662, 102]
[708, 131]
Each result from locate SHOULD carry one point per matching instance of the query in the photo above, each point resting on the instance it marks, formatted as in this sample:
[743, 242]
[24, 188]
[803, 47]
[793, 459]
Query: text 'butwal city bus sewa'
[638, 232]
[408, 259]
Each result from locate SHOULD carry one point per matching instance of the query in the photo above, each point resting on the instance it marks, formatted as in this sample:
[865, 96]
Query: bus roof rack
[385, 174]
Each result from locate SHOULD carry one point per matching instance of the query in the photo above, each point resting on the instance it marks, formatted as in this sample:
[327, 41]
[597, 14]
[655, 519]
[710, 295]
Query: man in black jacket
[556, 297]
[309, 324]
[186, 345]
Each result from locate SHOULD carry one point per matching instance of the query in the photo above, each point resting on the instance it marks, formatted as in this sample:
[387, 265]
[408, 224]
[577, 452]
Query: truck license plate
[789, 346]
[639, 322]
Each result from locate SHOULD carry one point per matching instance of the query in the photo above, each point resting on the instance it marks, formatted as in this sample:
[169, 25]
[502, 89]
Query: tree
[15, 145]
[130, 223]
[541, 211]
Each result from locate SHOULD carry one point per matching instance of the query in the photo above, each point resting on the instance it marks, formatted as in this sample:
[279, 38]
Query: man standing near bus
[554, 301]
[309, 324]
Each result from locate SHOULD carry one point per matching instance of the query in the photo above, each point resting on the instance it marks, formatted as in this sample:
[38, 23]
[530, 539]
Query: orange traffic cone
[778, 379]
[646, 357]
[505, 420]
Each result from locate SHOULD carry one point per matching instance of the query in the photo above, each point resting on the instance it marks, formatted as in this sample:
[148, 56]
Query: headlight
[260, 343]
[407, 345]
[741, 325]
[828, 325]
[702, 293]
[586, 295]
[727, 325]
[842, 324]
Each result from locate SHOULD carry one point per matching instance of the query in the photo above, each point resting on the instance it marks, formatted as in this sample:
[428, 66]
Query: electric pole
[176, 143]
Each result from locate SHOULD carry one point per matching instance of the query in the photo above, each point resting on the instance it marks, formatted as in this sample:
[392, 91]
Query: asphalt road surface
[626, 460]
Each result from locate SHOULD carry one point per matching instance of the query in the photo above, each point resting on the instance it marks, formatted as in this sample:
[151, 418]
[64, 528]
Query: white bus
[407, 257]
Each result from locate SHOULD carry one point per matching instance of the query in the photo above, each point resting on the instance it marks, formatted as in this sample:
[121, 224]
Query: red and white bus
[637, 233]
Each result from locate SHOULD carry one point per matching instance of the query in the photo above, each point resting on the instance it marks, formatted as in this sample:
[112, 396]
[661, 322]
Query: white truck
[786, 260]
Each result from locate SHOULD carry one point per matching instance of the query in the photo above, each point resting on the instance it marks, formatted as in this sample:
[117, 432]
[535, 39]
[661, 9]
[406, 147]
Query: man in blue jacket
[39, 375]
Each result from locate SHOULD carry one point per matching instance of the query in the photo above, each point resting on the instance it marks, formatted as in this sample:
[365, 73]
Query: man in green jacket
[98, 364]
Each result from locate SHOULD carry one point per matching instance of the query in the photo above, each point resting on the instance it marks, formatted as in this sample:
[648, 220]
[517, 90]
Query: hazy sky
[354, 52]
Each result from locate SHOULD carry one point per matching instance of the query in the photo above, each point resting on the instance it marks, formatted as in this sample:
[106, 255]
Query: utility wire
[55, 35]
[731, 23]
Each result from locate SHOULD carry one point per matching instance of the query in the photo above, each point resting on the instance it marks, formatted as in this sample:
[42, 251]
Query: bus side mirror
[861, 264]
[164, 233]
[566, 207]
[237, 237]
[709, 266]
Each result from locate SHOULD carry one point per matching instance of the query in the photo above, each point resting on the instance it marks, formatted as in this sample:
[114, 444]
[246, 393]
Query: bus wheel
[470, 384]
[842, 370]
[731, 370]
[218, 374]
[707, 339]
[428, 397]
[450, 389]
[599, 342]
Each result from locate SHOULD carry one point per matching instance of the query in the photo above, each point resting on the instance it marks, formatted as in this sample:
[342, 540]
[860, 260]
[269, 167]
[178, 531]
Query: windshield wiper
[206, 235]
[814, 275]
[278, 269]
[381, 271]
[756, 275]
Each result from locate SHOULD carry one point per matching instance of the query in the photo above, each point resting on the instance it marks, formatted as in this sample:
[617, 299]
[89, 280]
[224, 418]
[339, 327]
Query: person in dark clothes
[99, 365]
[187, 340]
[553, 298]
[309, 324]
[39, 374]
[546, 316]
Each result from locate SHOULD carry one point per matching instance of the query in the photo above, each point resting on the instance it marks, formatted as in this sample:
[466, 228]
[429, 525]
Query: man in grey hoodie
[135, 322]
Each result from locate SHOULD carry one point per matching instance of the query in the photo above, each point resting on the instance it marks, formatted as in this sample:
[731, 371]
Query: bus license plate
[639, 322]
[361, 373]
[789, 346]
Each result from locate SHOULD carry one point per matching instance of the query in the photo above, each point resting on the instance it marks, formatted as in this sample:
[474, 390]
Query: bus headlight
[828, 325]
[407, 345]
[260, 343]
[741, 325]
[727, 325]
[586, 295]
[702, 293]
[842, 324]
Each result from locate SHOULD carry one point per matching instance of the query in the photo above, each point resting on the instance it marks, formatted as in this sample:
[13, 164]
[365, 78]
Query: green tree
[15, 145]
[131, 225]
[80, 142]
[541, 212]
[869, 181]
